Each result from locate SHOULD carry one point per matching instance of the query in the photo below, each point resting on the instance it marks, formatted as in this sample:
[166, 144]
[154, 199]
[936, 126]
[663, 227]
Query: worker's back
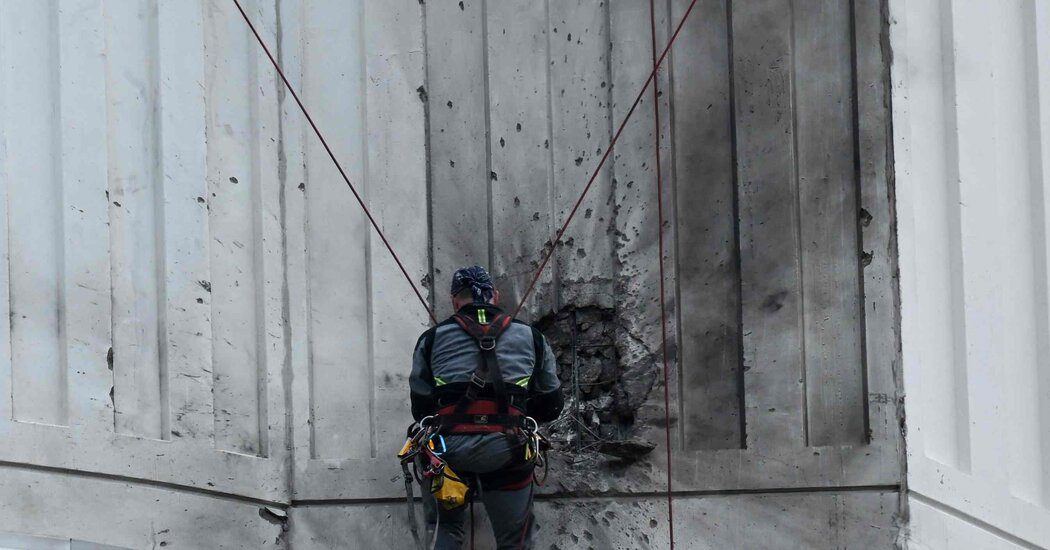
[446, 357]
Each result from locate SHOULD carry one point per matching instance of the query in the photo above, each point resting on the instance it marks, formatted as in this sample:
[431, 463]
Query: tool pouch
[448, 489]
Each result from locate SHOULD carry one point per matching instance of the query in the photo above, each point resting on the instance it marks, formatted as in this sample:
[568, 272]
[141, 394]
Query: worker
[479, 374]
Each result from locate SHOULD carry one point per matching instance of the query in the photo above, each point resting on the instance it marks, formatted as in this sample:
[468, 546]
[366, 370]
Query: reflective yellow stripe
[439, 382]
[524, 381]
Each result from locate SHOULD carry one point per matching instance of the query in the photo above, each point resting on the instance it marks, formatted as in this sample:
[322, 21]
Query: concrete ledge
[857, 519]
[129, 515]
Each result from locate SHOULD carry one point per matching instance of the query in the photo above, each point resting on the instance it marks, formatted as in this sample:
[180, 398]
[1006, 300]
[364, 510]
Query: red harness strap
[480, 416]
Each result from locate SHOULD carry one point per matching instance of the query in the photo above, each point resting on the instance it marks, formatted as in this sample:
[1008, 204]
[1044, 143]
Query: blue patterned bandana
[477, 279]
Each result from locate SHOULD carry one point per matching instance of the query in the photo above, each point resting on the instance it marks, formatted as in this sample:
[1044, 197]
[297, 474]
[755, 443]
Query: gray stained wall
[773, 132]
[774, 157]
[203, 325]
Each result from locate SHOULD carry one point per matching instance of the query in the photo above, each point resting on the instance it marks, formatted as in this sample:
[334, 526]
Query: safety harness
[471, 414]
[477, 410]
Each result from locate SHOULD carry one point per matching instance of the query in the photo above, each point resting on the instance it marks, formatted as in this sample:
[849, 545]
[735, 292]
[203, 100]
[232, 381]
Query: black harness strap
[505, 421]
[537, 350]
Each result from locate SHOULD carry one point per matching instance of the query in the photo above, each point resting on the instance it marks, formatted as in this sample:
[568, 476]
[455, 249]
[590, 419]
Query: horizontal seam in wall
[975, 521]
[144, 482]
[641, 495]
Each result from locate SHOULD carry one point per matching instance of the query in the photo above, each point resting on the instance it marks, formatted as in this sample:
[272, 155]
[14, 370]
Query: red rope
[663, 301]
[335, 161]
[594, 175]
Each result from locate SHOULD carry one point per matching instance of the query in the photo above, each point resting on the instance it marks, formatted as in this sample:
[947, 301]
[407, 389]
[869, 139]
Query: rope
[331, 155]
[663, 301]
[608, 150]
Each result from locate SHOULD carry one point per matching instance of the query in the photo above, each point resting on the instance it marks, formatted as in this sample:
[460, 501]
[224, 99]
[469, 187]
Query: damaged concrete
[602, 393]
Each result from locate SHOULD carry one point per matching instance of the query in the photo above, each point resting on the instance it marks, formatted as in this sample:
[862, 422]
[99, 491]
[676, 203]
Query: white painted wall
[971, 111]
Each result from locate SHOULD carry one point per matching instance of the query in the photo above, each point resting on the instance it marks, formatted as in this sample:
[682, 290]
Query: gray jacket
[446, 356]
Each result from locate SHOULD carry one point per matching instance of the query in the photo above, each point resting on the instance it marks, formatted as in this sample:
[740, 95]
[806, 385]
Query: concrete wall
[774, 139]
[971, 103]
[208, 347]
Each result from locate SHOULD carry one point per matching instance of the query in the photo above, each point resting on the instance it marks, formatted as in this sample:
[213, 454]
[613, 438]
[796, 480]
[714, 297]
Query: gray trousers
[509, 511]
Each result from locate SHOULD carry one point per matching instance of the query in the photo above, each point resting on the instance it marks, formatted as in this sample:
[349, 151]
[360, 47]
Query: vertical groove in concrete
[159, 182]
[959, 451]
[793, 99]
[858, 207]
[673, 210]
[431, 289]
[488, 134]
[1037, 92]
[555, 265]
[365, 189]
[735, 182]
[62, 395]
[255, 61]
[6, 374]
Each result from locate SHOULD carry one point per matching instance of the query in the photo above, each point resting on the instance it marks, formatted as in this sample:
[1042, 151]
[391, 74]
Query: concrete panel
[519, 139]
[85, 164]
[458, 124]
[136, 180]
[581, 127]
[338, 250]
[770, 251]
[239, 139]
[183, 146]
[826, 152]
[802, 521]
[706, 251]
[34, 190]
[398, 196]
